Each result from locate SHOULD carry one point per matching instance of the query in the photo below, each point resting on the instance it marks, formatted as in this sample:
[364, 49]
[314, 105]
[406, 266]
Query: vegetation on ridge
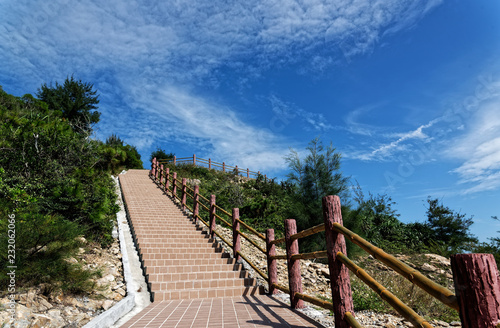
[55, 182]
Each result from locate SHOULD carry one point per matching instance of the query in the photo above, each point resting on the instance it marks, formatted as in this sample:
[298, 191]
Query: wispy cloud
[286, 112]
[479, 148]
[149, 55]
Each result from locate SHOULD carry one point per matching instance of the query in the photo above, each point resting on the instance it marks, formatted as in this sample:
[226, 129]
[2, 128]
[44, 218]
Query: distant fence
[475, 276]
[209, 164]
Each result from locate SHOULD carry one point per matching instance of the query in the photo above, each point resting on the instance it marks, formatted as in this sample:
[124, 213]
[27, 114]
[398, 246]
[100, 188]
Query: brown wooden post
[156, 171]
[477, 288]
[161, 175]
[194, 159]
[272, 267]
[209, 164]
[184, 194]
[339, 273]
[294, 275]
[151, 173]
[236, 234]
[167, 177]
[223, 167]
[248, 173]
[236, 168]
[212, 215]
[196, 205]
[174, 184]
[175, 160]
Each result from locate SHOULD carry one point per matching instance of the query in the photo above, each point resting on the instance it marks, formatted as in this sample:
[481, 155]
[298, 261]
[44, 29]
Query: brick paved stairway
[179, 259]
[191, 280]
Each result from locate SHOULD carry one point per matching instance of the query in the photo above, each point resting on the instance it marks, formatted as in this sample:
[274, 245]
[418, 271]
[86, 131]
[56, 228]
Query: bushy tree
[313, 177]
[51, 181]
[76, 100]
[118, 156]
[160, 154]
[449, 227]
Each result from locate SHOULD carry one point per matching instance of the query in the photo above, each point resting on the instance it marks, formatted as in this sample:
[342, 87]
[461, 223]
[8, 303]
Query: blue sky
[407, 91]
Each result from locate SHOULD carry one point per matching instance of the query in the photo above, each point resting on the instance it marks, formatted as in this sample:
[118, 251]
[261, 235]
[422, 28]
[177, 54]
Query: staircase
[179, 259]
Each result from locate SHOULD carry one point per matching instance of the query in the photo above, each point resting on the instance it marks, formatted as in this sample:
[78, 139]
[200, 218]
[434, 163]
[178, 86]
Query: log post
[175, 160]
[151, 173]
[272, 267]
[212, 215]
[194, 159]
[248, 173]
[184, 194]
[339, 274]
[294, 275]
[236, 169]
[209, 164]
[236, 234]
[223, 167]
[478, 289]
[161, 175]
[156, 171]
[196, 205]
[167, 177]
[174, 184]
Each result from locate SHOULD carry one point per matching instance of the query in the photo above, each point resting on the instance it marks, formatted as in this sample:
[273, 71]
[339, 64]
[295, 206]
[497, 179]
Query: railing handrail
[339, 264]
[211, 164]
[162, 177]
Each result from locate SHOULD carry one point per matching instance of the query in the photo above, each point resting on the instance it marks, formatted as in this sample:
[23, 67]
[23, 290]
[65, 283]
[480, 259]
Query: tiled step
[207, 293]
[159, 240]
[162, 251]
[200, 284]
[203, 261]
[166, 277]
[193, 268]
[187, 256]
[180, 243]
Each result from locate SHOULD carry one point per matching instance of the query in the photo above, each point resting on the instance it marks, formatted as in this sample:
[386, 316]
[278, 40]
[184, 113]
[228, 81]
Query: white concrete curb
[109, 317]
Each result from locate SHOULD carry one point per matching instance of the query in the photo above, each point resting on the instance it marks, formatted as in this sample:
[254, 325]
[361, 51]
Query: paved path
[193, 283]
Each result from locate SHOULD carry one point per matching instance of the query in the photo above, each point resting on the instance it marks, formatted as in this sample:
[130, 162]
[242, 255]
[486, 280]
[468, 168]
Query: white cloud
[203, 124]
[286, 112]
[144, 49]
[479, 148]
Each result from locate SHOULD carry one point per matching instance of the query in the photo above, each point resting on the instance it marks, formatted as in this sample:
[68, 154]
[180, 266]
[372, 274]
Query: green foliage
[76, 100]
[449, 227]
[312, 178]
[160, 154]
[54, 180]
[117, 156]
[263, 203]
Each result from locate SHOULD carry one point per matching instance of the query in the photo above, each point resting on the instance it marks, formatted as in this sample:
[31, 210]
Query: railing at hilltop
[209, 164]
[475, 276]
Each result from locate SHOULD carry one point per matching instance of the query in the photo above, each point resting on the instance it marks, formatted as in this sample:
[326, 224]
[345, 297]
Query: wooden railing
[211, 165]
[475, 276]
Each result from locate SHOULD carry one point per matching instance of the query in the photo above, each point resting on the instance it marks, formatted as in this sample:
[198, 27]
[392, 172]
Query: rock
[22, 312]
[44, 305]
[121, 291]
[106, 280]
[20, 324]
[40, 321]
[428, 267]
[107, 304]
[325, 272]
[81, 239]
[455, 323]
[440, 323]
[438, 259]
